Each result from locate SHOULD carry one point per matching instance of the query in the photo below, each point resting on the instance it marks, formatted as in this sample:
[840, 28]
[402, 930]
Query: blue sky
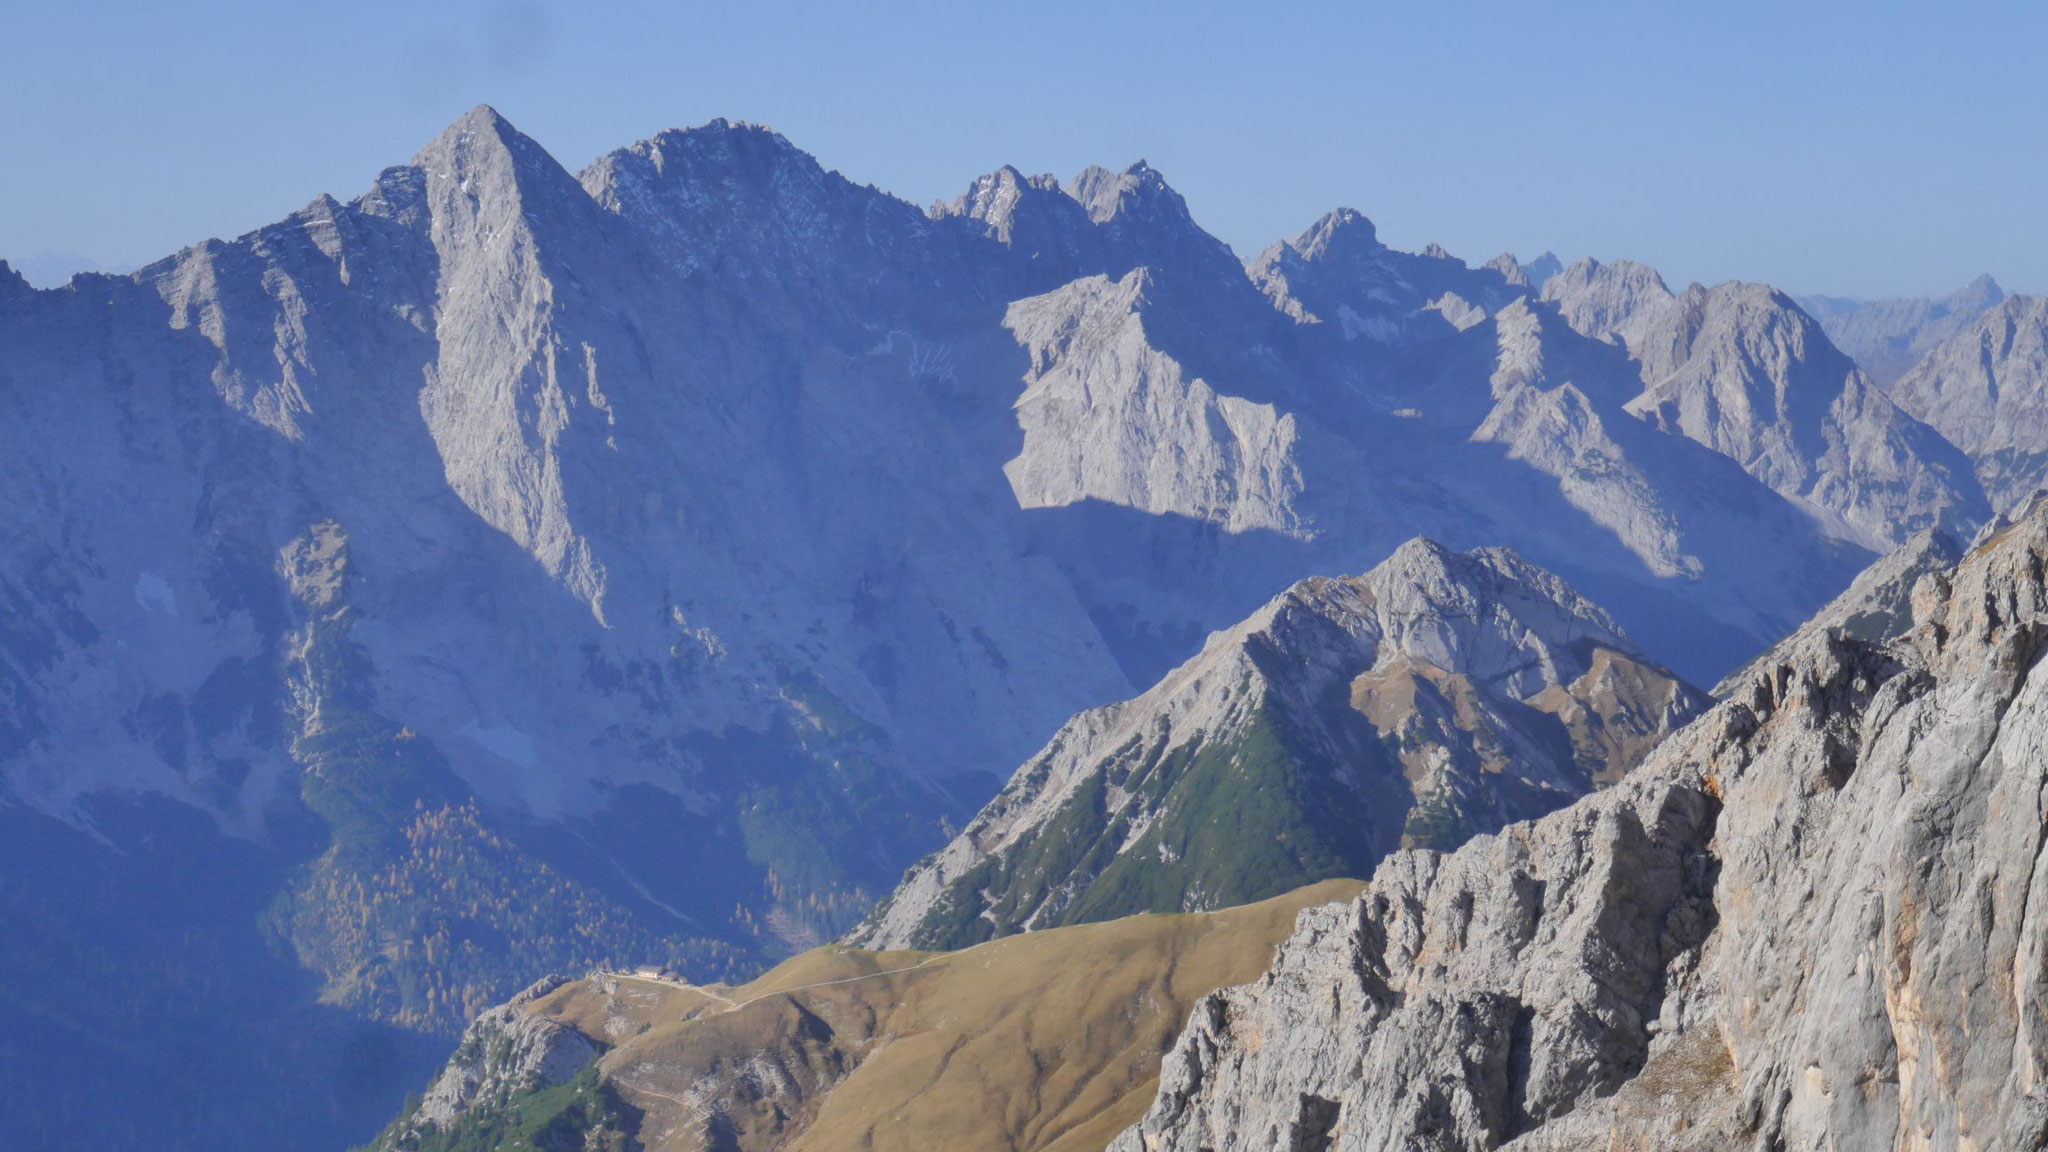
[1861, 149]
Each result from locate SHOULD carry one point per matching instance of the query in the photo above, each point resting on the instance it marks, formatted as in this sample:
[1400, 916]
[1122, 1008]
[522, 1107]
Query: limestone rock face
[1813, 918]
[1986, 389]
[1108, 416]
[1438, 696]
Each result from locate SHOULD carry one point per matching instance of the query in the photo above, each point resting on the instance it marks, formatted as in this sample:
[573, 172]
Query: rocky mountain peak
[1510, 269]
[482, 146]
[719, 162]
[1980, 293]
[1144, 221]
[1986, 390]
[1542, 268]
[1345, 234]
[1606, 300]
[1742, 369]
[1888, 337]
[1137, 190]
[1439, 695]
[1337, 273]
[1461, 612]
[993, 198]
[1020, 209]
[733, 147]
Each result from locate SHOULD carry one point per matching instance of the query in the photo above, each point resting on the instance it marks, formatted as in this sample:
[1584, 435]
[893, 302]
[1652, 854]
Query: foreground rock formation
[1817, 918]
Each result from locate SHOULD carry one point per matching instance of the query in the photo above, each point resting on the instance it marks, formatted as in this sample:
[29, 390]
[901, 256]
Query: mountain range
[1809, 918]
[512, 570]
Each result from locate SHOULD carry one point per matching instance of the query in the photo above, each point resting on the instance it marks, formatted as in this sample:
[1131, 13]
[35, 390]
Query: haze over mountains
[510, 569]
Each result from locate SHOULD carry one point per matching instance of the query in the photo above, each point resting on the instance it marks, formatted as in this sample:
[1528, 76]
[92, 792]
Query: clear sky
[1874, 148]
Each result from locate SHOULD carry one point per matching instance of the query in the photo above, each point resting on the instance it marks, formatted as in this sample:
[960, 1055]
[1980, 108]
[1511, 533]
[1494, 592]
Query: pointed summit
[1509, 268]
[1606, 301]
[1141, 220]
[1977, 295]
[1344, 232]
[1541, 269]
[1004, 197]
[482, 122]
[481, 155]
[1138, 189]
[1436, 251]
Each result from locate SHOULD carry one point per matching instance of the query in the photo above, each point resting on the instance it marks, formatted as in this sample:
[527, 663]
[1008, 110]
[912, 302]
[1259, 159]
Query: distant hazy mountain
[52, 269]
[1740, 369]
[1437, 697]
[1888, 337]
[1986, 389]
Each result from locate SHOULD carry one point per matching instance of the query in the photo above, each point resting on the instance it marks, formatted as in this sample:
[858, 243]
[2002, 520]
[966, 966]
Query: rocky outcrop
[507, 1052]
[1814, 918]
[1438, 696]
[1877, 604]
[1986, 389]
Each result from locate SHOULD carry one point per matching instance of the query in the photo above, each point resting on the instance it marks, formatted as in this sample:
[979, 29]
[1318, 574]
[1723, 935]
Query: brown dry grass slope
[1045, 1042]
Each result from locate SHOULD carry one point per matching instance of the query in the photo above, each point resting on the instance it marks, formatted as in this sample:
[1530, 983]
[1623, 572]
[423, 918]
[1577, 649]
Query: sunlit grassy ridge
[1044, 1041]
